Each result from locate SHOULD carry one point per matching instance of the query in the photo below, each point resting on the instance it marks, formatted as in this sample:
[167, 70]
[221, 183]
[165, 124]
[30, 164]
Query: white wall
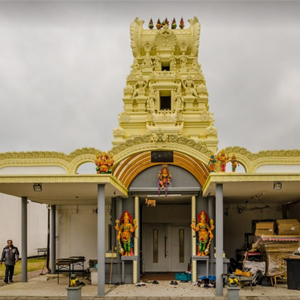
[236, 225]
[33, 170]
[278, 169]
[10, 223]
[77, 230]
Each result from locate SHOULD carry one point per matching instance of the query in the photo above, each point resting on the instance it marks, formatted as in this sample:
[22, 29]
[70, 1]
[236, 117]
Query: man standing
[10, 256]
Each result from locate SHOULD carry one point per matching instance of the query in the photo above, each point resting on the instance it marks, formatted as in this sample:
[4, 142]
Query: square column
[24, 239]
[219, 239]
[194, 262]
[211, 213]
[53, 239]
[101, 239]
[118, 217]
[136, 271]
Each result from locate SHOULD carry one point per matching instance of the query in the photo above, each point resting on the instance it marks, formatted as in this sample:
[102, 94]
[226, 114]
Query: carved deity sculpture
[151, 101]
[164, 177]
[212, 162]
[234, 163]
[172, 63]
[135, 65]
[140, 87]
[223, 158]
[128, 90]
[181, 25]
[157, 63]
[104, 163]
[183, 61]
[205, 235]
[189, 86]
[195, 65]
[125, 231]
[147, 61]
[179, 102]
[201, 89]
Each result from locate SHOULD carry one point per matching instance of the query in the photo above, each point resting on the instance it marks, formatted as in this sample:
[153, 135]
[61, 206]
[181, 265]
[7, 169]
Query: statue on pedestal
[125, 233]
[179, 102]
[223, 158]
[140, 87]
[151, 101]
[234, 163]
[183, 61]
[164, 179]
[205, 235]
[212, 162]
[104, 163]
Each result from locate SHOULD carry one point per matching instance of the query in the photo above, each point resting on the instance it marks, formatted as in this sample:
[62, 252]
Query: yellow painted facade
[166, 91]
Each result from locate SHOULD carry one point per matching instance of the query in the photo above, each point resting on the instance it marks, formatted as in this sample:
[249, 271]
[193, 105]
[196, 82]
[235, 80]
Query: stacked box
[265, 228]
[288, 227]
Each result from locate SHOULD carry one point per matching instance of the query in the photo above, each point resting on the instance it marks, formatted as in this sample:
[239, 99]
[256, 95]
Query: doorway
[166, 235]
[167, 247]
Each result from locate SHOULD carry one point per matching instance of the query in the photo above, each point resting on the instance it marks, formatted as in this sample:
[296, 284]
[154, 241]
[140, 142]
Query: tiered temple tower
[166, 92]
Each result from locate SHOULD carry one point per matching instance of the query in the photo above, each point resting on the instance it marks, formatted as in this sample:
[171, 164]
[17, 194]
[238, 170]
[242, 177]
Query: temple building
[164, 197]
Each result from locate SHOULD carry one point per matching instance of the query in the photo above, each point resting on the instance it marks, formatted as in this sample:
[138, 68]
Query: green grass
[32, 265]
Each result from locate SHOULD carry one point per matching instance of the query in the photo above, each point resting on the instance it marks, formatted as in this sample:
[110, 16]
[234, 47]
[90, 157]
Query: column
[24, 239]
[219, 239]
[194, 262]
[211, 214]
[101, 239]
[136, 240]
[118, 216]
[201, 204]
[53, 239]
[113, 223]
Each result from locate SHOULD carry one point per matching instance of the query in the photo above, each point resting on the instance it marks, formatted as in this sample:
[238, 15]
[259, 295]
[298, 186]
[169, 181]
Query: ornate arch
[69, 162]
[172, 142]
[251, 161]
[134, 155]
[130, 167]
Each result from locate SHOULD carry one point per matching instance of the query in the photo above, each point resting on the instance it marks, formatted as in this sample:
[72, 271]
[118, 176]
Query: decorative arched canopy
[130, 167]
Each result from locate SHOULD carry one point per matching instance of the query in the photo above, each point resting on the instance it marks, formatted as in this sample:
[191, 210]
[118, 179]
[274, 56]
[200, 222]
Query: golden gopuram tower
[165, 92]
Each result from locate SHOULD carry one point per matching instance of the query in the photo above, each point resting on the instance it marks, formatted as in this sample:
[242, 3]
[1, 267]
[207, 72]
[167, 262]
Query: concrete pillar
[101, 239]
[118, 216]
[219, 239]
[211, 214]
[24, 239]
[202, 204]
[136, 271]
[194, 262]
[113, 222]
[53, 239]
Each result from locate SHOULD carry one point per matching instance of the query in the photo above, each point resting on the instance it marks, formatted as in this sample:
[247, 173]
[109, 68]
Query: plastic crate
[183, 276]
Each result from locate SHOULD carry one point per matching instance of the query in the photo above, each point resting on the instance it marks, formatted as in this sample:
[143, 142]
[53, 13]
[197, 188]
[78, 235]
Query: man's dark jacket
[9, 256]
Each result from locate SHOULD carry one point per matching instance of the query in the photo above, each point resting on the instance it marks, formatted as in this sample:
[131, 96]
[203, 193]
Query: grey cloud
[63, 66]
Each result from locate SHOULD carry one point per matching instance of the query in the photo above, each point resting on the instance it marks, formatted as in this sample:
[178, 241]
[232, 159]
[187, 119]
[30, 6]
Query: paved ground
[46, 288]
[154, 298]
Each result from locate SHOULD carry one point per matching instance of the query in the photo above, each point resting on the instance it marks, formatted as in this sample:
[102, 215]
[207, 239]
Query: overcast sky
[63, 67]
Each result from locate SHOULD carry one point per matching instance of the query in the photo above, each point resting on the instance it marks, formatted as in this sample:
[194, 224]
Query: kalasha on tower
[165, 92]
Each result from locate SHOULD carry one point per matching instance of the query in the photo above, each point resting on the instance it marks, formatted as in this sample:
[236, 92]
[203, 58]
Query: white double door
[166, 247]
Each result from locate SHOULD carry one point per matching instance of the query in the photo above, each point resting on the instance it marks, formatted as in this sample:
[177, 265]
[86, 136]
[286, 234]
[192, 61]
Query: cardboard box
[265, 228]
[288, 227]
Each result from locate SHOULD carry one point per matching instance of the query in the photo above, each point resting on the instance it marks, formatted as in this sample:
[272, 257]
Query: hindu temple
[164, 198]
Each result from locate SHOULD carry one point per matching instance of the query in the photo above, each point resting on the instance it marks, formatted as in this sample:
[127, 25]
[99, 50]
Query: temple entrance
[165, 216]
[167, 247]
[166, 236]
